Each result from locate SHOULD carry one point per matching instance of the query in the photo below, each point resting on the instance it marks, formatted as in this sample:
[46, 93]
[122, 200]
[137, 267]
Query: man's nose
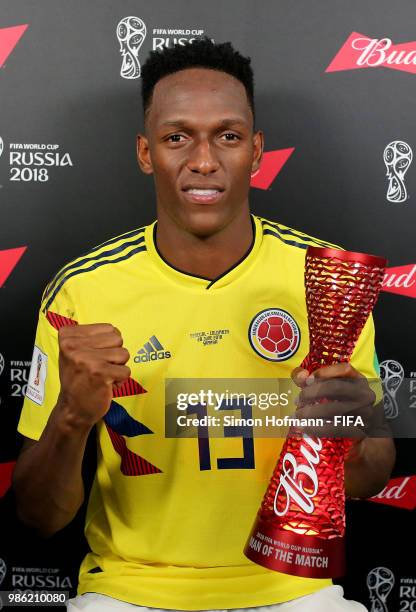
[203, 159]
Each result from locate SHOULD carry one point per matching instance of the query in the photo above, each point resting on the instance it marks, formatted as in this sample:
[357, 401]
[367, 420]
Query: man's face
[200, 146]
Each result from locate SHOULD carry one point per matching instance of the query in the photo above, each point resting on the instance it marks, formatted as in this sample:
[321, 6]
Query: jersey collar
[196, 282]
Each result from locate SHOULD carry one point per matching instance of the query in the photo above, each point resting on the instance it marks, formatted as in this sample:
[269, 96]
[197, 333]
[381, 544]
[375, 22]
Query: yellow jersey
[168, 518]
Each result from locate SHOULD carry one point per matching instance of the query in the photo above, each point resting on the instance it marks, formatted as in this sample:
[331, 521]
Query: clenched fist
[91, 360]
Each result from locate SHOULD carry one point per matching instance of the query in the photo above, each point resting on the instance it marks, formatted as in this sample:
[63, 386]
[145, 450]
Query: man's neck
[207, 257]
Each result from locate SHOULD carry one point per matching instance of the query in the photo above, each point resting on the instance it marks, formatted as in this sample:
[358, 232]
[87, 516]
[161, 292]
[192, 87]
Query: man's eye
[230, 136]
[175, 138]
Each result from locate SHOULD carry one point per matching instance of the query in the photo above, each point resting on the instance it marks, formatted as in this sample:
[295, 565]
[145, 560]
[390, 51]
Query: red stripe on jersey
[129, 387]
[57, 321]
[131, 463]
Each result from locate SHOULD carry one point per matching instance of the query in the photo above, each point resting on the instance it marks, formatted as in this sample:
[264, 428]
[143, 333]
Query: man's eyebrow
[226, 122]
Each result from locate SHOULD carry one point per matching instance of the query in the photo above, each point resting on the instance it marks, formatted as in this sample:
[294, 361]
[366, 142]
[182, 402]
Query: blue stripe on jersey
[119, 419]
[96, 265]
[295, 234]
[116, 239]
[300, 245]
[81, 262]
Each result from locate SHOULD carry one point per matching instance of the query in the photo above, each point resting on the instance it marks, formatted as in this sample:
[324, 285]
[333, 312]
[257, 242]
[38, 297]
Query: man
[166, 513]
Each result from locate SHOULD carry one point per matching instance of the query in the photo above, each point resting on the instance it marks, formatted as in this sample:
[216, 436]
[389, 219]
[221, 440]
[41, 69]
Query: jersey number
[246, 462]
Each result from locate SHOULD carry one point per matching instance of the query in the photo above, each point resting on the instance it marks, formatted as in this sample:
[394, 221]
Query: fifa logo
[392, 375]
[3, 570]
[131, 32]
[397, 156]
[380, 582]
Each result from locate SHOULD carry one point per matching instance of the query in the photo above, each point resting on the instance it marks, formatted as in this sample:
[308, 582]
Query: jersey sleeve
[364, 358]
[43, 383]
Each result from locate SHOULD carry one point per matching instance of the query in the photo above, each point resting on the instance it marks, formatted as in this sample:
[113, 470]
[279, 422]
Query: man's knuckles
[122, 374]
[71, 337]
[103, 373]
[90, 360]
[343, 370]
[356, 389]
[122, 354]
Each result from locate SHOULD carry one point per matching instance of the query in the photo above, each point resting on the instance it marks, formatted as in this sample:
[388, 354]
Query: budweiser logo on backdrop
[6, 471]
[401, 280]
[271, 165]
[360, 51]
[8, 261]
[400, 492]
[9, 37]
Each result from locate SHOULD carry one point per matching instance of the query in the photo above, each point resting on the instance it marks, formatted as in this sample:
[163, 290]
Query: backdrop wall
[335, 90]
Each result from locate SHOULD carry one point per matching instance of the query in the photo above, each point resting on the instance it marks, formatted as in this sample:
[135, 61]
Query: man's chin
[206, 222]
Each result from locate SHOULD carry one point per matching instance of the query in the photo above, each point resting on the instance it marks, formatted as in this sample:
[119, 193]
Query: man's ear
[143, 154]
[258, 146]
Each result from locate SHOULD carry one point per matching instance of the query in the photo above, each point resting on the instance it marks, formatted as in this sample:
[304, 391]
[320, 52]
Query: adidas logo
[151, 351]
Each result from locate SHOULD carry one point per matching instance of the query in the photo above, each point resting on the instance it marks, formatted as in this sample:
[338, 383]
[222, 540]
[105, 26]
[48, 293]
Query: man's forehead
[193, 76]
[199, 89]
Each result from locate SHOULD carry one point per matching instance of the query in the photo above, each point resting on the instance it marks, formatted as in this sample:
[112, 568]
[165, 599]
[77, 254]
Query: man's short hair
[201, 53]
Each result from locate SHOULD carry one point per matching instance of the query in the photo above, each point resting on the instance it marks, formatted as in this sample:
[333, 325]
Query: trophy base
[288, 552]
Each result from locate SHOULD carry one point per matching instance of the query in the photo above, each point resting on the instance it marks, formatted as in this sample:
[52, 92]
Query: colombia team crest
[274, 334]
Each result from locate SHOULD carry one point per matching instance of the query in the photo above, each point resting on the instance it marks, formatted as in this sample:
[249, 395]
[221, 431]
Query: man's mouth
[203, 196]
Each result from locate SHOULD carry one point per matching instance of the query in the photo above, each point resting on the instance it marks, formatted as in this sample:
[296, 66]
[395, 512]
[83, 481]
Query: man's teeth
[203, 192]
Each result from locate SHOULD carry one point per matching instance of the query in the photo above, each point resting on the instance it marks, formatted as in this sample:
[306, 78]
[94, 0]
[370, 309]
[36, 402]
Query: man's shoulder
[282, 235]
[104, 259]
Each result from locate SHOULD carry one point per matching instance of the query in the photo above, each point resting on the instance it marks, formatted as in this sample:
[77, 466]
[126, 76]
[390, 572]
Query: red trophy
[300, 526]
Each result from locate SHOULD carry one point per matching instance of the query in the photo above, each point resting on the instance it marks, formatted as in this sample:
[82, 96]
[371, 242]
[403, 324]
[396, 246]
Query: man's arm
[48, 474]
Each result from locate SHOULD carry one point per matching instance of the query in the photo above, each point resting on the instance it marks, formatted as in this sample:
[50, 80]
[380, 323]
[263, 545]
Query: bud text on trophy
[300, 526]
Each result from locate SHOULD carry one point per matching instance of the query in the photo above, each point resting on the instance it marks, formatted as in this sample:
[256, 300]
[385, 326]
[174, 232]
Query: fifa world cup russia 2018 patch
[37, 376]
[274, 334]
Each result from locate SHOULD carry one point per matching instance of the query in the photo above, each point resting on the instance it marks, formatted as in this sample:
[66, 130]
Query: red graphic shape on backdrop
[271, 165]
[401, 280]
[380, 54]
[6, 471]
[399, 492]
[9, 37]
[131, 464]
[8, 261]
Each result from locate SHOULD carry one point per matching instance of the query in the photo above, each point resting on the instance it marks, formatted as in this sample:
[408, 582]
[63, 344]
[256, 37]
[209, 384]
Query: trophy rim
[364, 258]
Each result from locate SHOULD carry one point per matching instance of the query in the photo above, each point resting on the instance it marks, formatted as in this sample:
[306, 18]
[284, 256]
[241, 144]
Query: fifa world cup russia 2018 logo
[3, 570]
[38, 367]
[392, 375]
[131, 32]
[397, 156]
[380, 582]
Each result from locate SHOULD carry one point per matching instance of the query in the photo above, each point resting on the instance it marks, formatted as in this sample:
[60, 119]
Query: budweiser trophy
[300, 526]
